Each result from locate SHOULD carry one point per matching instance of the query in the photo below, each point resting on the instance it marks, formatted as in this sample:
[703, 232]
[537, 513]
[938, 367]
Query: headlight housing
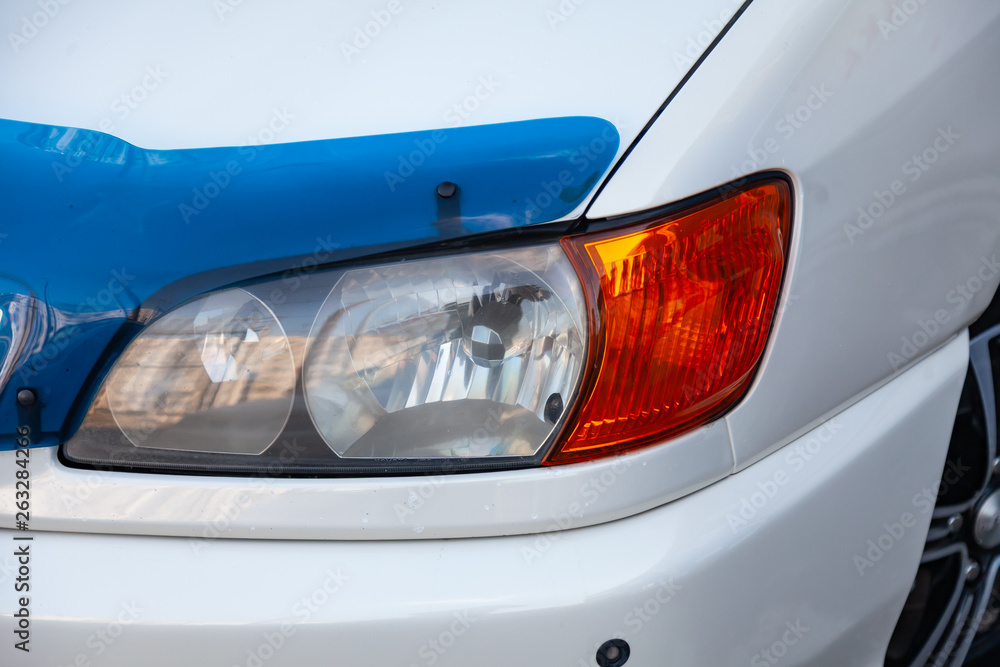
[582, 347]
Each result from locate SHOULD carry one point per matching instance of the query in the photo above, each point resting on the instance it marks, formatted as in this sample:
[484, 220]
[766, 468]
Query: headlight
[215, 375]
[601, 342]
[469, 358]
[454, 357]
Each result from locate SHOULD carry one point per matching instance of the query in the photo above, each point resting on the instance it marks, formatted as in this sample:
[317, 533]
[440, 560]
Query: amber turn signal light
[680, 308]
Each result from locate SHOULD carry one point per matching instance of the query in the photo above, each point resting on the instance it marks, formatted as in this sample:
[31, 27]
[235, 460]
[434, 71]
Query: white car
[499, 333]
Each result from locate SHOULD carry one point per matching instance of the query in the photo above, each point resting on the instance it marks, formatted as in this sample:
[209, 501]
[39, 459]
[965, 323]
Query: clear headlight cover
[458, 357]
[453, 362]
[215, 375]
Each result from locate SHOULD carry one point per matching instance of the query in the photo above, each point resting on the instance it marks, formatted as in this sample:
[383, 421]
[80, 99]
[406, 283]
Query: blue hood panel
[98, 232]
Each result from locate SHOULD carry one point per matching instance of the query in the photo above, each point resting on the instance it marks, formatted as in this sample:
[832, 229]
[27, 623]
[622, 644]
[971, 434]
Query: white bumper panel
[764, 560]
[388, 508]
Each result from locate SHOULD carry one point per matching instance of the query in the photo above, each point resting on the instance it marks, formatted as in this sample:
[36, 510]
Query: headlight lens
[469, 358]
[215, 375]
[453, 357]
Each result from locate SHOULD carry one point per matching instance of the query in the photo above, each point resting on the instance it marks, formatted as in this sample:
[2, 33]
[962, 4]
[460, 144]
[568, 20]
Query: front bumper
[761, 568]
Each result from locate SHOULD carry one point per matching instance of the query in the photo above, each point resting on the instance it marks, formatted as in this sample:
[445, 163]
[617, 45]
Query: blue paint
[97, 228]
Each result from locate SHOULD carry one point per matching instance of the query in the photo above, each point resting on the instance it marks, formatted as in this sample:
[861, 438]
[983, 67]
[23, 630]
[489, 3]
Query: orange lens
[680, 309]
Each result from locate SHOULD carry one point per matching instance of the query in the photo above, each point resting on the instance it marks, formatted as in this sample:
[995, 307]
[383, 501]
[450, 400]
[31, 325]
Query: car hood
[191, 73]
